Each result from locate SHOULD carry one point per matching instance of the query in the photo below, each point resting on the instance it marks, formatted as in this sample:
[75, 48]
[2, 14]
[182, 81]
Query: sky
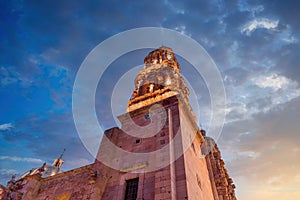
[254, 44]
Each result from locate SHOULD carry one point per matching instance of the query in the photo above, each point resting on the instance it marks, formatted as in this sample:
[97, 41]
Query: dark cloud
[287, 12]
[260, 103]
[288, 62]
[237, 75]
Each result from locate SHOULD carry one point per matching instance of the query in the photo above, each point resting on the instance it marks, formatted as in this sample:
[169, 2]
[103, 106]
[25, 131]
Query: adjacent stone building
[178, 160]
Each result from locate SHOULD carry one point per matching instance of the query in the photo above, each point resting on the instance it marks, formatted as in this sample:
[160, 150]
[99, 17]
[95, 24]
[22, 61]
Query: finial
[62, 153]
[58, 161]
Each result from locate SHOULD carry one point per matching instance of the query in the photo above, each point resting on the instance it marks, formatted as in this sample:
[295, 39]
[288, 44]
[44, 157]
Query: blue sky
[255, 45]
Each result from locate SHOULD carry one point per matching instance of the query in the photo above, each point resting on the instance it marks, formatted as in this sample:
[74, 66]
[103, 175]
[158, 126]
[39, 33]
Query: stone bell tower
[178, 141]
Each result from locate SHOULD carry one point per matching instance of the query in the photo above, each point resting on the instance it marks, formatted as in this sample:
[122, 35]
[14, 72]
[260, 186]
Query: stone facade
[222, 184]
[194, 168]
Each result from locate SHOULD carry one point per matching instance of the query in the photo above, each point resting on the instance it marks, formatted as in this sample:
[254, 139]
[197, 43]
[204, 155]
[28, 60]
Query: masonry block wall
[186, 178]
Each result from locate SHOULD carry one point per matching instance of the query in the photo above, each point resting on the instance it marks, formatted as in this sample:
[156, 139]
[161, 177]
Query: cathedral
[159, 152]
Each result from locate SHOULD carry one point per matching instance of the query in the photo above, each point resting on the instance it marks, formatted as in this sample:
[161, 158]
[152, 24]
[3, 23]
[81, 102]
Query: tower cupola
[163, 56]
[159, 79]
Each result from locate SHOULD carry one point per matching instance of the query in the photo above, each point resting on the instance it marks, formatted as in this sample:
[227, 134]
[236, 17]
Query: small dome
[163, 55]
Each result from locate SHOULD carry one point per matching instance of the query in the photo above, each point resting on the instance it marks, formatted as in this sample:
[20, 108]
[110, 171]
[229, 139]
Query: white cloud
[249, 154]
[290, 39]
[282, 89]
[284, 36]
[259, 23]
[273, 81]
[259, 94]
[257, 9]
[235, 111]
[278, 89]
[287, 35]
[244, 6]
[19, 159]
[182, 30]
[10, 75]
[7, 126]
[173, 8]
[207, 42]
[78, 162]
[8, 171]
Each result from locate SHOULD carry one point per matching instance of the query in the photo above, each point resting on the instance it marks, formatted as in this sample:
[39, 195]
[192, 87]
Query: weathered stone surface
[222, 184]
